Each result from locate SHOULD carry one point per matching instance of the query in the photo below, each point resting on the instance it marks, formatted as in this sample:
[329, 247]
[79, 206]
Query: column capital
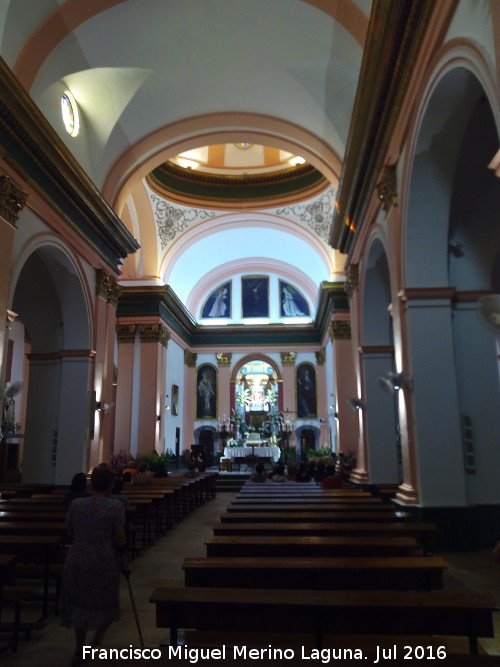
[320, 356]
[224, 358]
[190, 358]
[126, 332]
[352, 280]
[387, 187]
[287, 358]
[340, 330]
[12, 200]
[107, 287]
[153, 333]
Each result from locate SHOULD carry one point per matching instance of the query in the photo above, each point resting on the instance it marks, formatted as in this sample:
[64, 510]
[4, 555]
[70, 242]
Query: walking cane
[127, 577]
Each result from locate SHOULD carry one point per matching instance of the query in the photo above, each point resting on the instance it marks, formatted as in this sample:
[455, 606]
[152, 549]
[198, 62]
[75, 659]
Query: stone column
[189, 393]
[381, 425]
[322, 398]
[125, 424]
[224, 387]
[154, 339]
[349, 422]
[107, 295]
[429, 414]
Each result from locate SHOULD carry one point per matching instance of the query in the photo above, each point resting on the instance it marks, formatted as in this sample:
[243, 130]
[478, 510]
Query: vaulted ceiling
[154, 79]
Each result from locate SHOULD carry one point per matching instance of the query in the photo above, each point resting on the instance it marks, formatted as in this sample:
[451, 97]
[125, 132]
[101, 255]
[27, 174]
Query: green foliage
[288, 455]
[323, 452]
[156, 462]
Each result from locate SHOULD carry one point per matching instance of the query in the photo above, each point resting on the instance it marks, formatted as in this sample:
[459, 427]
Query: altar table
[262, 452]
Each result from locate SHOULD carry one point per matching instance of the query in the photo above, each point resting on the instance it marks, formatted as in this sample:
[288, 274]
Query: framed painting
[306, 391]
[175, 399]
[292, 303]
[218, 303]
[255, 296]
[206, 392]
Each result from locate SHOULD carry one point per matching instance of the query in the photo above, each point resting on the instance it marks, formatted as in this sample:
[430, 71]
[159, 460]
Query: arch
[188, 134]
[51, 299]
[233, 221]
[460, 73]
[255, 356]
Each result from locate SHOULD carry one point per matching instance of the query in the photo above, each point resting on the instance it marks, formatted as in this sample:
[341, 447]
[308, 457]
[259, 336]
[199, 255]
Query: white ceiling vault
[155, 78]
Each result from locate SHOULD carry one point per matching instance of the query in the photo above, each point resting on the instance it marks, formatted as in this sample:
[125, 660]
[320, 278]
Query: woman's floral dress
[91, 573]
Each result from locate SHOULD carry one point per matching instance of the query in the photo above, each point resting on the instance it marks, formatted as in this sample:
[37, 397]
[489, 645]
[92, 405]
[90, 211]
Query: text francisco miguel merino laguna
[325, 655]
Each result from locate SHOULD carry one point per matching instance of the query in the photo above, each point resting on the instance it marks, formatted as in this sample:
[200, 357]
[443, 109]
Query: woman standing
[91, 573]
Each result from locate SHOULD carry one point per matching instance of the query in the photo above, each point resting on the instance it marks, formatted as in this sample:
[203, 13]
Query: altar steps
[230, 482]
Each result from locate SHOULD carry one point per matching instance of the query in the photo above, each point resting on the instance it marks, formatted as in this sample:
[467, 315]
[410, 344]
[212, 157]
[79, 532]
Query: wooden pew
[309, 507]
[303, 516]
[422, 532]
[240, 546]
[316, 499]
[353, 573]
[322, 613]
[37, 556]
[300, 490]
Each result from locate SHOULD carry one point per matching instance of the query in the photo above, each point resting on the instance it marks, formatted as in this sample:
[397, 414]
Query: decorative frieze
[224, 358]
[320, 356]
[12, 200]
[352, 280]
[340, 330]
[153, 333]
[190, 359]
[287, 358]
[126, 332]
[107, 287]
[387, 187]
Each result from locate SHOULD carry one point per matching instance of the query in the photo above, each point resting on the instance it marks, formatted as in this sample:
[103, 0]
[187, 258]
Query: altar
[260, 451]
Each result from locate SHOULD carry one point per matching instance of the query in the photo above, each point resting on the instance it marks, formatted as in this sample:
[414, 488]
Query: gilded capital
[12, 200]
[387, 187]
[190, 358]
[320, 356]
[340, 329]
[224, 358]
[287, 358]
[107, 287]
[126, 332]
[352, 280]
[153, 333]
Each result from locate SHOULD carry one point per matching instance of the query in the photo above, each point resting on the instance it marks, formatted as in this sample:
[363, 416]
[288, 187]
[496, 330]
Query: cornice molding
[395, 35]
[426, 294]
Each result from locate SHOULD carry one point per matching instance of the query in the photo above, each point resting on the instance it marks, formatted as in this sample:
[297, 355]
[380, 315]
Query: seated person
[130, 471]
[116, 492]
[77, 489]
[142, 476]
[278, 473]
[259, 475]
[191, 470]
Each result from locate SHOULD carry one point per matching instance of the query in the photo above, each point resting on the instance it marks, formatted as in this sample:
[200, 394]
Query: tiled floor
[162, 565]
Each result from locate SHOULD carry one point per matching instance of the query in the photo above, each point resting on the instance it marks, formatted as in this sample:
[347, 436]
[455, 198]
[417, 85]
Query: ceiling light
[297, 160]
[187, 164]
